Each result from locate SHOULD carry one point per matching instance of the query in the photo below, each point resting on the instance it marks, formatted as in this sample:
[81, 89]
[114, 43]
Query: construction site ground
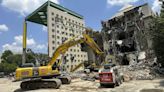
[78, 85]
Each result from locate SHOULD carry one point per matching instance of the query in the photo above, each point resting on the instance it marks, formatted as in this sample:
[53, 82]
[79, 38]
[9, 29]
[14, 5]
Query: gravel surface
[79, 85]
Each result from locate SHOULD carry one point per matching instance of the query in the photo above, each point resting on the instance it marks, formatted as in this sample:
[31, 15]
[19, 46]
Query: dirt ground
[79, 85]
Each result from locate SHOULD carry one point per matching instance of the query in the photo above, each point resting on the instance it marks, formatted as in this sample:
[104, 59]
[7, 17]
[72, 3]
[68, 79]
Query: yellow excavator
[50, 75]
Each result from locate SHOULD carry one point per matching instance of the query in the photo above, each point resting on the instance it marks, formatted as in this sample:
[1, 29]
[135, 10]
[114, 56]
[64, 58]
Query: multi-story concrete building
[62, 24]
[127, 33]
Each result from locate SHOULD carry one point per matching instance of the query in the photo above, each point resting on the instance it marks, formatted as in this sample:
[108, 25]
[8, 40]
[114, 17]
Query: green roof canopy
[39, 16]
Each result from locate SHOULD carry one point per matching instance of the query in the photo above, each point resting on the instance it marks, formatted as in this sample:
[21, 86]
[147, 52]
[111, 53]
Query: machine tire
[113, 86]
[102, 85]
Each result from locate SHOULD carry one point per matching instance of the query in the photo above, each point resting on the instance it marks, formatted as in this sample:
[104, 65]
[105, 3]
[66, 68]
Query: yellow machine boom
[50, 71]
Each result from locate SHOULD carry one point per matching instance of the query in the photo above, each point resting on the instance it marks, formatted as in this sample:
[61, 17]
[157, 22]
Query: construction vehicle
[50, 75]
[89, 67]
[110, 76]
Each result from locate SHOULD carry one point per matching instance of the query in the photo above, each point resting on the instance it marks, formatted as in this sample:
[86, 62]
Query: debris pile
[92, 76]
[143, 70]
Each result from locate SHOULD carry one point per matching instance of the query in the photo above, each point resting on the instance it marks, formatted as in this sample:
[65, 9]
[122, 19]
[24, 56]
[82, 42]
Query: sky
[13, 12]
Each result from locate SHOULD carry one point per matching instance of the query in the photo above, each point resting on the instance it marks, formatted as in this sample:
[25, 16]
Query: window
[66, 33]
[65, 18]
[57, 15]
[53, 42]
[61, 16]
[53, 19]
[53, 48]
[57, 31]
[62, 27]
[67, 66]
[53, 30]
[52, 24]
[53, 36]
[57, 26]
[52, 13]
[58, 42]
[58, 37]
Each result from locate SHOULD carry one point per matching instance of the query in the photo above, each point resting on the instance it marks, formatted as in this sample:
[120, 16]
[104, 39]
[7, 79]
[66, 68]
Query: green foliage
[5, 55]
[158, 37]
[7, 68]
[11, 61]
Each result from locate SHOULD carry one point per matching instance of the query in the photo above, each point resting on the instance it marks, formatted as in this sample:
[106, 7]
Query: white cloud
[44, 28]
[24, 6]
[13, 47]
[18, 40]
[41, 46]
[120, 2]
[16, 46]
[156, 7]
[3, 27]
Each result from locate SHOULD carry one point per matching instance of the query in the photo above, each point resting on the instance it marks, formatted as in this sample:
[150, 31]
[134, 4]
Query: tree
[5, 55]
[10, 61]
[158, 37]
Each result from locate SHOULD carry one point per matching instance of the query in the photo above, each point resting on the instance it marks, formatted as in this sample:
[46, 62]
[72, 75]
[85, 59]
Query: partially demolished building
[126, 35]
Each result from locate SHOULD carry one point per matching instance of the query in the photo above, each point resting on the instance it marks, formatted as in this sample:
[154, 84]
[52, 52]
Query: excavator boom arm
[72, 42]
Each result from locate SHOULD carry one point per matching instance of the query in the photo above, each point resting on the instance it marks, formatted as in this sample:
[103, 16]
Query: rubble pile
[143, 70]
[92, 76]
[78, 74]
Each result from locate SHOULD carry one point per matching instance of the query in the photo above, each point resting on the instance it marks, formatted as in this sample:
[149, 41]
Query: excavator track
[42, 83]
[65, 79]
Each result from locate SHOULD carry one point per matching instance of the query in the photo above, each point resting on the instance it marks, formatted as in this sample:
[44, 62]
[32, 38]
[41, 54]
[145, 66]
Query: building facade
[64, 24]
[127, 33]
